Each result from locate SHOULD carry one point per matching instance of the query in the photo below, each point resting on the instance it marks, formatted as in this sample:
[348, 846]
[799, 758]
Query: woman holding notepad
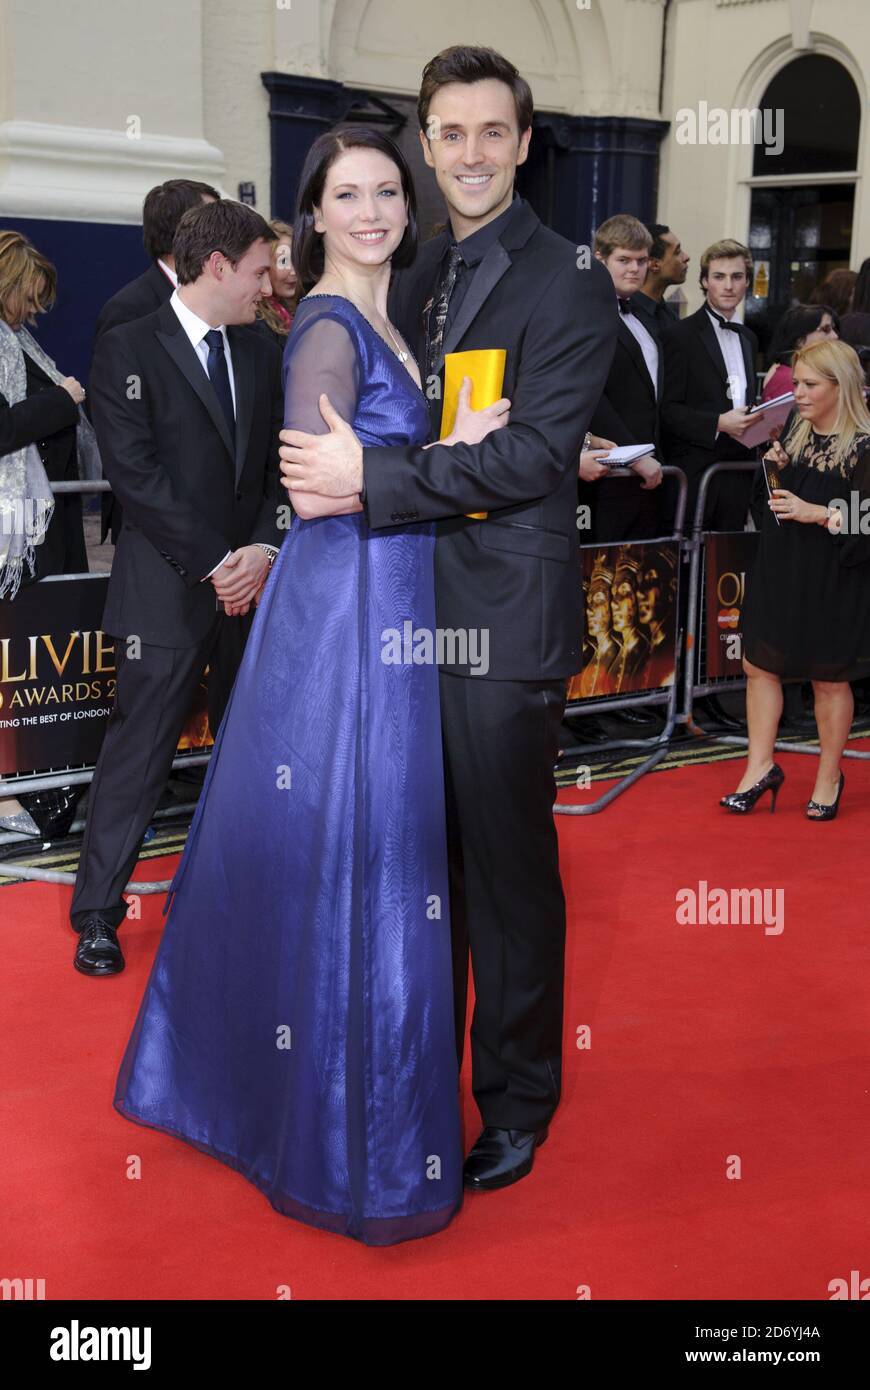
[806, 614]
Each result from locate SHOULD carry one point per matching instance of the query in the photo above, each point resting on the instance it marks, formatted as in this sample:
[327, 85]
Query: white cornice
[69, 173]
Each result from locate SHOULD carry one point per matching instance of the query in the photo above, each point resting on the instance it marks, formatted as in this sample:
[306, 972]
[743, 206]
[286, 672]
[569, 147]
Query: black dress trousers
[501, 740]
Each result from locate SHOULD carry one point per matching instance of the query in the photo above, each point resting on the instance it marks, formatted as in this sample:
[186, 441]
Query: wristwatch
[271, 551]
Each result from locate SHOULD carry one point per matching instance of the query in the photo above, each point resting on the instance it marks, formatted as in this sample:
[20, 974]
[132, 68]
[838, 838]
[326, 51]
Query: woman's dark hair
[861, 297]
[795, 324]
[837, 289]
[864, 359]
[164, 208]
[463, 63]
[225, 226]
[307, 250]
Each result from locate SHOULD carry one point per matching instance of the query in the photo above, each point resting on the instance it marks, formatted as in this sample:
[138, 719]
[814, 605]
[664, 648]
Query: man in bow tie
[709, 386]
[628, 412]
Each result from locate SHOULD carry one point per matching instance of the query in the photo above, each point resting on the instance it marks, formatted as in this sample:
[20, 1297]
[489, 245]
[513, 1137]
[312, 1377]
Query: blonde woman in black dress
[806, 614]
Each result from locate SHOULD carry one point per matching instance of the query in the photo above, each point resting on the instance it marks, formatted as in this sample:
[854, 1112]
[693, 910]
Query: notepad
[485, 366]
[766, 417]
[626, 454]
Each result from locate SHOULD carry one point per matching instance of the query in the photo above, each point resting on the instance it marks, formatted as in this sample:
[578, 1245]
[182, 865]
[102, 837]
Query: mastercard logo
[729, 617]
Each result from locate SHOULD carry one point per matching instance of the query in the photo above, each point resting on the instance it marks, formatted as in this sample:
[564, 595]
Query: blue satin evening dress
[298, 1020]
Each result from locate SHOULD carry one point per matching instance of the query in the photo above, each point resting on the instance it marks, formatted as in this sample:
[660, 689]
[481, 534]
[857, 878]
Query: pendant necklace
[399, 351]
[402, 356]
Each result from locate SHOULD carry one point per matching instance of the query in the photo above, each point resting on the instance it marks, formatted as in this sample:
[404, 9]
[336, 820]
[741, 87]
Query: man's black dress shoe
[53, 811]
[500, 1157]
[633, 715]
[98, 952]
[710, 707]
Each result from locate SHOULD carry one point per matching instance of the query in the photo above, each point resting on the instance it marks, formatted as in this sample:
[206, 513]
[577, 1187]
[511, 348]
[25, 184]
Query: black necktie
[220, 377]
[439, 309]
[624, 305]
[723, 323]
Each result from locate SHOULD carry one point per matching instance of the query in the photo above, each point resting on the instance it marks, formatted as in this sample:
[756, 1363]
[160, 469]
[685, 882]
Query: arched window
[803, 191]
[820, 121]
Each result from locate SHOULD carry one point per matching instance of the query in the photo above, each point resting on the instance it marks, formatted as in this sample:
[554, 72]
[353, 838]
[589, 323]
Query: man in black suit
[709, 385]
[162, 211]
[668, 264]
[626, 508]
[495, 279]
[187, 412]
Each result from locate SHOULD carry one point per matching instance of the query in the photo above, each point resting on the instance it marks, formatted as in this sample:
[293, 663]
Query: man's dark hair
[465, 64]
[307, 250]
[164, 208]
[657, 231]
[225, 226]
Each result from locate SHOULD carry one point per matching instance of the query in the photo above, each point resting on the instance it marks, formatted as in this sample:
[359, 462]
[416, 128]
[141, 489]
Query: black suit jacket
[696, 393]
[142, 296]
[189, 492]
[628, 410]
[46, 417]
[517, 573]
[627, 413]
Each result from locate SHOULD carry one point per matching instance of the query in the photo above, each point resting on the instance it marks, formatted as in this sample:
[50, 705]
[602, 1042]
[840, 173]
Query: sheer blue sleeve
[320, 357]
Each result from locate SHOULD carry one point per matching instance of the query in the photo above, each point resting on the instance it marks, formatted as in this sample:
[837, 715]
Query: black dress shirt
[655, 314]
[472, 249]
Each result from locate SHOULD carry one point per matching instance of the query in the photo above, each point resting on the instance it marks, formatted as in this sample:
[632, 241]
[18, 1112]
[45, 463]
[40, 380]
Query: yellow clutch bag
[485, 366]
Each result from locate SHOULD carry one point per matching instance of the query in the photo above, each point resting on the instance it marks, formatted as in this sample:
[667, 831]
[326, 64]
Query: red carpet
[707, 1042]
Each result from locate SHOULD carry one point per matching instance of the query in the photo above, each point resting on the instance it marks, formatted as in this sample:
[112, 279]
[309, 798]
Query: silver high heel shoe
[22, 823]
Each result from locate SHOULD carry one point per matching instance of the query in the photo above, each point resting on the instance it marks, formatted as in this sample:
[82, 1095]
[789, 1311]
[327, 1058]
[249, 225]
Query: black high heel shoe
[826, 812]
[741, 803]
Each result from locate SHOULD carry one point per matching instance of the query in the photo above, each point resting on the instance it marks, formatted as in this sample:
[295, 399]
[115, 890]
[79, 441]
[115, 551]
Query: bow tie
[624, 305]
[723, 323]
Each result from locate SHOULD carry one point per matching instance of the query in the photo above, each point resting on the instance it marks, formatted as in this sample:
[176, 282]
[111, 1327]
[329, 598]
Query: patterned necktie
[220, 377]
[439, 309]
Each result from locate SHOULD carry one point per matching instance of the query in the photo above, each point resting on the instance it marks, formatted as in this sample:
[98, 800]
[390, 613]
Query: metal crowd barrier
[691, 653]
[696, 630]
[696, 623]
[80, 775]
[657, 744]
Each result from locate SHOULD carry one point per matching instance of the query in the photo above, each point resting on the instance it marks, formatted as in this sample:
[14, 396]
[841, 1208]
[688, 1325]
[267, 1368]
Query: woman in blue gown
[298, 1020]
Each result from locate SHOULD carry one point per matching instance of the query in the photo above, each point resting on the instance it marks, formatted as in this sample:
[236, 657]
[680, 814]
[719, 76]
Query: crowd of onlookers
[682, 386]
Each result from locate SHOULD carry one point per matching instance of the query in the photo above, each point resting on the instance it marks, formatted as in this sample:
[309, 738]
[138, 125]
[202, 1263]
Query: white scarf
[26, 499]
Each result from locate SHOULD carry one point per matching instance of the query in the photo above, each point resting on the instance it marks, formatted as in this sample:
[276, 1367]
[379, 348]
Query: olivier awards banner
[630, 593]
[727, 556]
[57, 678]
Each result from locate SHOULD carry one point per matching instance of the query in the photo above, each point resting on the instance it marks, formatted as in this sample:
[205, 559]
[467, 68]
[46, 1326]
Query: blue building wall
[581, 169]
[93, 259]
